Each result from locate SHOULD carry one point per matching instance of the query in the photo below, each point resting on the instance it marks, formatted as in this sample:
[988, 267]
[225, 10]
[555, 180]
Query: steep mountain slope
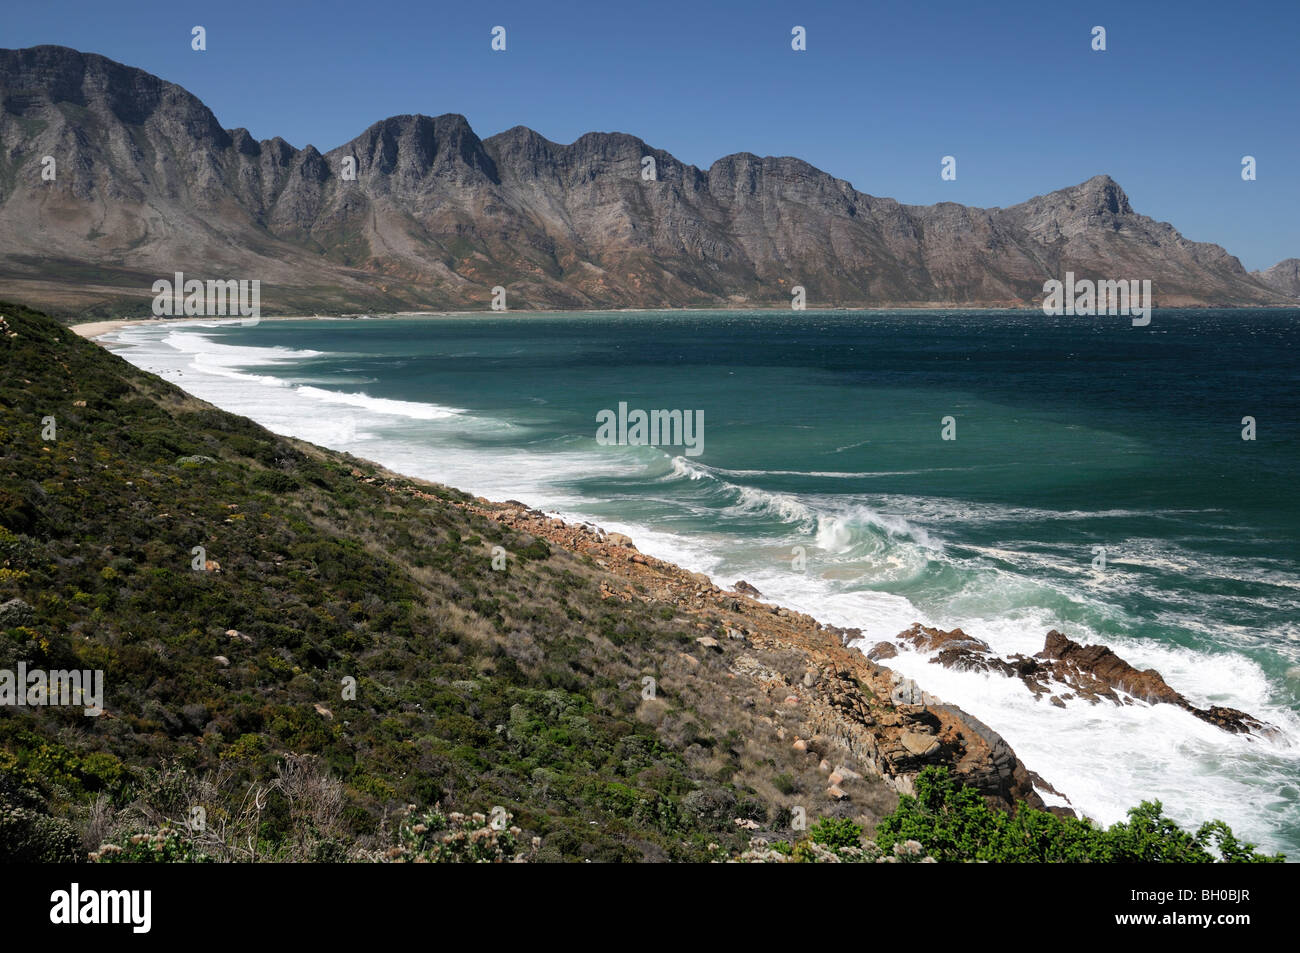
[149, 183]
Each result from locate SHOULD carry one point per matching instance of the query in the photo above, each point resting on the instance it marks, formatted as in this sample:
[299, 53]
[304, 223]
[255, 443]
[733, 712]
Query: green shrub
[784, 783]
[836, 832]
[954, 823]
[275, 482]
[28, 836]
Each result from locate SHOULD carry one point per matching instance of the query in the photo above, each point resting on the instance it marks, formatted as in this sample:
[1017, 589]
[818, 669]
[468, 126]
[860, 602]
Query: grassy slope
[332, 579]
[475, 687]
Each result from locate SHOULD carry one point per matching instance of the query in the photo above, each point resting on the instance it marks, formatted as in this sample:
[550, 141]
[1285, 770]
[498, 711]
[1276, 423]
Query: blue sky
[1012, 89]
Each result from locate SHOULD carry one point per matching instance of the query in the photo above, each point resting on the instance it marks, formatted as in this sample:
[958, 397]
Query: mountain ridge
[148, 183]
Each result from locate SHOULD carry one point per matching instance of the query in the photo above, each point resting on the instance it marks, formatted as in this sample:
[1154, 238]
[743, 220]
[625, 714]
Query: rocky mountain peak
[436, 217]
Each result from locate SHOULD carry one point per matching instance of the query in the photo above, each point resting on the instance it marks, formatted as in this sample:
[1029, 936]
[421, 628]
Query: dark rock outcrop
[1092, 673]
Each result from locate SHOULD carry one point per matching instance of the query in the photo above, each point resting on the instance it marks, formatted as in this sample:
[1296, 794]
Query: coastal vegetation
[307, 658]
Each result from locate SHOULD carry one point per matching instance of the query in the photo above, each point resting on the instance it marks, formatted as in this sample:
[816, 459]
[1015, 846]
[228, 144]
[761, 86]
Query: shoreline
[781, 628]
[828, 699]
[846, 704]
[98, 328]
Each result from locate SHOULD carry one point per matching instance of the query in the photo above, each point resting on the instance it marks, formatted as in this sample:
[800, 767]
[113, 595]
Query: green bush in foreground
[955, 824]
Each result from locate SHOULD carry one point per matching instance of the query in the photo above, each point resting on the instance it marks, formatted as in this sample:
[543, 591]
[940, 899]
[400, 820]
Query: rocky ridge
[149, 183]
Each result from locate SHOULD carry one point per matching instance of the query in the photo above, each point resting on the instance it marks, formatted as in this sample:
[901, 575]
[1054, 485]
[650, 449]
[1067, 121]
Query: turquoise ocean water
[822, 437]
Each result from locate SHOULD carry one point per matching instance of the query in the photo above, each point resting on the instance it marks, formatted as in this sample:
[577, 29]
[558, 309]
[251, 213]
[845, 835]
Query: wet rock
[1092, 673]
[1101, 664]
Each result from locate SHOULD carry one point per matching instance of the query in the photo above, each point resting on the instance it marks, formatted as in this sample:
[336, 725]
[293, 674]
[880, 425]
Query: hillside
[149, 183]
[522, 688]
[1284, 276]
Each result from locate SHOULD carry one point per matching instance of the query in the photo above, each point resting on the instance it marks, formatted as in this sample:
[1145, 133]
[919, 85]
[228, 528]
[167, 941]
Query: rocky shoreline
[886, 723]
[1067, 671]
[856, 720]
[881, 724]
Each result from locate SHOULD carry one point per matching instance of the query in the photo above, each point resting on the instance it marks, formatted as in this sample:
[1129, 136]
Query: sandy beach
[96, 329]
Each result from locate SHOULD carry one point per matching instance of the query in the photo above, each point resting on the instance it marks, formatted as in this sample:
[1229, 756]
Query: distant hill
[148, 183]
[1284, 276]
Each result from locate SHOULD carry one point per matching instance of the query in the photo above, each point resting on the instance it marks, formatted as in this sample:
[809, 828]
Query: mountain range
[147, 183]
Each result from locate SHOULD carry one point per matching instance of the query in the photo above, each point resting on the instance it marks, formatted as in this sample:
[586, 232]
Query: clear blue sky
[1012, 89]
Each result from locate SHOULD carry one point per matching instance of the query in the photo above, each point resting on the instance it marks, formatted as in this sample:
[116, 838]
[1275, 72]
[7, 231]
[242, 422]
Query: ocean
[822, 476]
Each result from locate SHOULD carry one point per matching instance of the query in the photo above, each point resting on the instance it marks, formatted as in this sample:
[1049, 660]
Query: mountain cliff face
[148, 183]
[1283, 277]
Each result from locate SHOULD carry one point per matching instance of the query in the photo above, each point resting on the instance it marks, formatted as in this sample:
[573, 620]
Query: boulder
[919, 744]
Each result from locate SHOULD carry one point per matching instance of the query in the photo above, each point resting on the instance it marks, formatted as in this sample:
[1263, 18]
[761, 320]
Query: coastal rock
[1093, 664]
[744, 587]
[1093, 673]
[919, 744]
[855, 711]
